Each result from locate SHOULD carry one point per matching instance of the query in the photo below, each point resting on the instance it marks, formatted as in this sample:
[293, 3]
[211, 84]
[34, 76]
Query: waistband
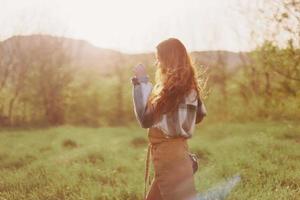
[155, 136]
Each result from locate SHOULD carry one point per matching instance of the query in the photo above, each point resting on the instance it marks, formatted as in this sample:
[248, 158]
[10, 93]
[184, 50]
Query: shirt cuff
[140, 79]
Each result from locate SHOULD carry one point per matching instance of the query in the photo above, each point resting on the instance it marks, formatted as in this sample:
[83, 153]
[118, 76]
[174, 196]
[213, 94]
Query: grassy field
[108, 163]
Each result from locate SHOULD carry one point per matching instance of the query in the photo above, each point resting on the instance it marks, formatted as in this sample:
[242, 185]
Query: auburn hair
[175, 76]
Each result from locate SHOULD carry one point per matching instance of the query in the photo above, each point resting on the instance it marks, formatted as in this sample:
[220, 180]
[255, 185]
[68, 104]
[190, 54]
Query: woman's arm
[143, 109]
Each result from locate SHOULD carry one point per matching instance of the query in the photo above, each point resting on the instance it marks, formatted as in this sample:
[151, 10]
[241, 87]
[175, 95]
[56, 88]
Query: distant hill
[227, 59]
[85, 55]
[79, 52]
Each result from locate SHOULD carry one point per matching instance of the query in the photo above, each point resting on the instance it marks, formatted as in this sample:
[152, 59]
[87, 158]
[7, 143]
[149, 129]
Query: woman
[169, 110]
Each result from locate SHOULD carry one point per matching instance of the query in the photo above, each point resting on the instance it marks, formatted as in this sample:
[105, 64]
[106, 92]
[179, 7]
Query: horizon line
[114, 49]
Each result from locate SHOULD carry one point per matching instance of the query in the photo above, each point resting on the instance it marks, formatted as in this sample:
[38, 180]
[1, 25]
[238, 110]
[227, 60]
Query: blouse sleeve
[201, 111]
[143, 110]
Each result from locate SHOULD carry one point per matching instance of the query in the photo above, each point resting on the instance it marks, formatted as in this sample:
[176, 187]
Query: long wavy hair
[175, 76]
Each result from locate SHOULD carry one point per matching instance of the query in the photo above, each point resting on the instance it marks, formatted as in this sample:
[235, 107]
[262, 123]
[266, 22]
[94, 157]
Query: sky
[134, 26]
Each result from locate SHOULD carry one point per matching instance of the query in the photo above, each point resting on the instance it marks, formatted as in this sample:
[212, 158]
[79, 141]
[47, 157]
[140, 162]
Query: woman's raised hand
[139, 70]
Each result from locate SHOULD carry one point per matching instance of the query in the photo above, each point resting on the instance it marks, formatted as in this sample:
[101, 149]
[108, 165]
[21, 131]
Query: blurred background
[66, 95]
[70, 62]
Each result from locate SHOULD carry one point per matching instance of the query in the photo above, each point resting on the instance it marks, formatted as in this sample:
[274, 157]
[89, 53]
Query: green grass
[108, 163]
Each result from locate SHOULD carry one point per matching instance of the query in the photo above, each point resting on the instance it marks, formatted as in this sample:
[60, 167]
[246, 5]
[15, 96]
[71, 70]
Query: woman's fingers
[140, 70]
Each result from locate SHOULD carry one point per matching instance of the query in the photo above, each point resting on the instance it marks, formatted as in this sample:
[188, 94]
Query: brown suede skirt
[173, 172]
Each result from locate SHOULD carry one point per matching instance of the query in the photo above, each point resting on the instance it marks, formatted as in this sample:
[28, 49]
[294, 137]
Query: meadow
[73, 162]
